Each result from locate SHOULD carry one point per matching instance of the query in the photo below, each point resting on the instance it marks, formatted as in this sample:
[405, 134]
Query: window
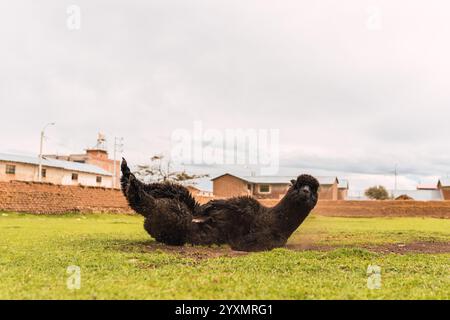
[10, 169]
[75, 176]
[249, 187]
[44, 173]
[264, 188]
[99, 179]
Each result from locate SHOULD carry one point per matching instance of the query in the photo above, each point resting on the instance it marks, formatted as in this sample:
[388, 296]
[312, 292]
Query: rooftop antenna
[101, 142]
[395, 173]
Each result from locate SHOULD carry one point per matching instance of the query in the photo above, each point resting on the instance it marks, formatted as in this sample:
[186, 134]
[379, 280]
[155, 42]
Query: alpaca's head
[304, 190]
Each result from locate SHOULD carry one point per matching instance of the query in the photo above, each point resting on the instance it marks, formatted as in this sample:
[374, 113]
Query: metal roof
[53, 163]
[427, 186]
[343, 184]
[277, 179]
[420, 195]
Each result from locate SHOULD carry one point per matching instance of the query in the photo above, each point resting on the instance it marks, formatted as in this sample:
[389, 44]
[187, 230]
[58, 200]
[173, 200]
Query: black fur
[172, 215]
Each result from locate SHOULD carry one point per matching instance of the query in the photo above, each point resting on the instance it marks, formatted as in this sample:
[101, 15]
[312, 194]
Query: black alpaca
[172, 215]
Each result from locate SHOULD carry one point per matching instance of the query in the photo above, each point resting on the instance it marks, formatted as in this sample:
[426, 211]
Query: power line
[118, 147]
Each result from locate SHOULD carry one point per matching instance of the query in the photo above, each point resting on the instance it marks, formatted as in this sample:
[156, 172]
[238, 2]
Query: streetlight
[395, 173]
[40, 150]
[118, 147]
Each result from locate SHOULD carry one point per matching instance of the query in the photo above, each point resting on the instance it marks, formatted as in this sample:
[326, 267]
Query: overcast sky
[353, 86]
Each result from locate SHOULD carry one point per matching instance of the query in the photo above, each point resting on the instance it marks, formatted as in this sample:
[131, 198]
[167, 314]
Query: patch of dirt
[400, 248]
[196, 252]
[200, 253]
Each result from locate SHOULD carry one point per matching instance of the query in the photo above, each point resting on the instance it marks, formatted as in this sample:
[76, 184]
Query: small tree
[377, 193]
[160, 170]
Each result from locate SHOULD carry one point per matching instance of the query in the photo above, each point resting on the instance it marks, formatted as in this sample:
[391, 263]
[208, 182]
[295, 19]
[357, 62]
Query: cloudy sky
[354, 86]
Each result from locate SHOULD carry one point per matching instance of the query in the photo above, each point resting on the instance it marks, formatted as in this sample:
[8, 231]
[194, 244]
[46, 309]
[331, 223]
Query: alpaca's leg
[159, 190]
[139, 200]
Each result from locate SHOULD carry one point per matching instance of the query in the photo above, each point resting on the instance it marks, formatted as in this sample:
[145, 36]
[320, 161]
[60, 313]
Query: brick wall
[36, 197]
[342, 194]
[328, 192]
[397, 208]
[446, 193]
[39, 198]
[277, 191]
[229, 186]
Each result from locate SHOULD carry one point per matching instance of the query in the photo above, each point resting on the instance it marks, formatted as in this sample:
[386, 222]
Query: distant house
[444, 186]
[96, 156]
[198, 192]
[267, 187]
[419, 195]
[193, 190]
[428, 186]
[343, 187]
[24, 168]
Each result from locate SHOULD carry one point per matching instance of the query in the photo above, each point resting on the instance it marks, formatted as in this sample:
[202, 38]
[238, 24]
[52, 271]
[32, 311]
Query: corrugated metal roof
[277, 179]
[343, 184]
[53, 163]
[427, 186]
[420, 195]
[268, 179]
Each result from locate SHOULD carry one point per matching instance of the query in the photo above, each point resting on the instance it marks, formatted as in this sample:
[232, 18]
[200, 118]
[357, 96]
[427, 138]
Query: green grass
[112, 252]
[330, 230]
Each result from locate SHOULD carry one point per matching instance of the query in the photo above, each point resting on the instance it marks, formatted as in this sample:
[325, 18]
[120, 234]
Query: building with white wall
[25, 168]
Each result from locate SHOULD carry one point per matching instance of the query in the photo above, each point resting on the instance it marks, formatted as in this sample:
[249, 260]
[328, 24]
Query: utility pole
[118, 147]
[40, 150]
[395, 173]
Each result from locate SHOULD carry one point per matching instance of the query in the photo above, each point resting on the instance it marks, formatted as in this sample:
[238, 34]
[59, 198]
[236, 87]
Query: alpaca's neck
[288, 214]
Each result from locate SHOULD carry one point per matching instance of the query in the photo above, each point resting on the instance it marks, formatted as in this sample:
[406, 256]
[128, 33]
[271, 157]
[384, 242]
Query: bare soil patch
[399, 248]
[196, 252]
[200, 253]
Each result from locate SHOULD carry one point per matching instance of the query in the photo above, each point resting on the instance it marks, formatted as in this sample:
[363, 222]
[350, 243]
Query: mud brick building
[270, 187]
[343, 189]
[444, 186]
[440, 190]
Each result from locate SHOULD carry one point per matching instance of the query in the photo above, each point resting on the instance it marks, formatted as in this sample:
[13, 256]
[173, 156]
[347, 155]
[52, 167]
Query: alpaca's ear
[293, 181]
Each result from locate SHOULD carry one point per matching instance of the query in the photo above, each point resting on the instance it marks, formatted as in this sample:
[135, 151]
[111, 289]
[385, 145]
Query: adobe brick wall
[34, 197]
[446, 193]
[277, 191]
[328, 192]
[229, 186]
[43, 198]
[342, 194]
[397, 208]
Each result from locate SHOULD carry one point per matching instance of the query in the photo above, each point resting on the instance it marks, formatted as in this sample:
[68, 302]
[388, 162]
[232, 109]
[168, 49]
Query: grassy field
[117, 259]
